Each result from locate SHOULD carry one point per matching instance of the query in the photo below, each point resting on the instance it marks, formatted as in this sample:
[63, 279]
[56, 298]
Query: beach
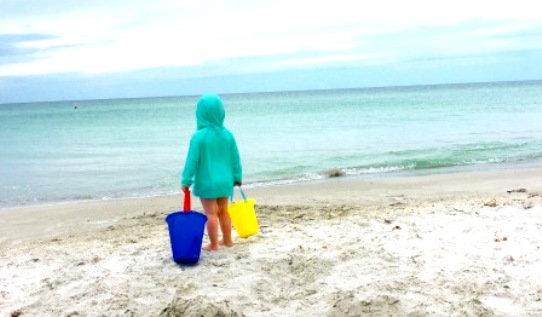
[451, 244]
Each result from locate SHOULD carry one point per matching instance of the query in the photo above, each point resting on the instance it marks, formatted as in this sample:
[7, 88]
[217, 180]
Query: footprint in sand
[347, 304]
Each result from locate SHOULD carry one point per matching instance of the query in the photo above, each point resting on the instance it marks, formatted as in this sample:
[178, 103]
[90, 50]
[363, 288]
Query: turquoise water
[53, 152]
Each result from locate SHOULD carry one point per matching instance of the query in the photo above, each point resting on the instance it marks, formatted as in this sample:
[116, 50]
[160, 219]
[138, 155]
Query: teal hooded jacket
[212, 164]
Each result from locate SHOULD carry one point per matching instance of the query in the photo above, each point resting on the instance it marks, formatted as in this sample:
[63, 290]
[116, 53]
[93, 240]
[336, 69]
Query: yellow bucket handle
[242, 194]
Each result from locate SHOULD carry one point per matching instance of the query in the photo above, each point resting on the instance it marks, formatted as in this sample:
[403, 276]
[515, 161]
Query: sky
[75, 50]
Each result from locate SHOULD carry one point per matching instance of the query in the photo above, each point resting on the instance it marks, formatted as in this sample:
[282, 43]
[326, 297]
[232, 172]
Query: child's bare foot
[226, 243]
[209, 247]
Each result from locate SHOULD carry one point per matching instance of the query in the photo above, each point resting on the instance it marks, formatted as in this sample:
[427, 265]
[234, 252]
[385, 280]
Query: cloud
[12, 50]
[216, 39]
[101, 36]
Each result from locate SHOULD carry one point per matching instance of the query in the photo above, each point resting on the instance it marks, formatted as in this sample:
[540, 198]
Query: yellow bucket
[243, 216]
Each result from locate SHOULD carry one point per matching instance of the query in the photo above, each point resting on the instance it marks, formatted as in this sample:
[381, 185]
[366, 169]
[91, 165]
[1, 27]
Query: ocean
[121, 148]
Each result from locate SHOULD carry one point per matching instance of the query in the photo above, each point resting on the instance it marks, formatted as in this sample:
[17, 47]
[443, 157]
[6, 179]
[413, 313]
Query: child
[213, 166]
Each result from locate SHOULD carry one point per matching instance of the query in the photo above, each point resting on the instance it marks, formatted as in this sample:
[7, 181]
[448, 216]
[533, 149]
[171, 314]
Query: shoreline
[424, 245]
[27, 222]
[259, 185]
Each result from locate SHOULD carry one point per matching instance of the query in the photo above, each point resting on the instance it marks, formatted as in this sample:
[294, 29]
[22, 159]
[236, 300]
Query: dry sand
[463, 244]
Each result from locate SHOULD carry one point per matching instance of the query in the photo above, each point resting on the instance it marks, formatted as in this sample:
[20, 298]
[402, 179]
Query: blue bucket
[186, 229]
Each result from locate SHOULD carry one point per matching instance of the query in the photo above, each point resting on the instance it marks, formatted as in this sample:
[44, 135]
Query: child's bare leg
[210, 207]
[225, 221]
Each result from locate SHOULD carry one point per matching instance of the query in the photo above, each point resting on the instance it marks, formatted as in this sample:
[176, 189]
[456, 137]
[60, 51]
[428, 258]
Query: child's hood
[210, 111]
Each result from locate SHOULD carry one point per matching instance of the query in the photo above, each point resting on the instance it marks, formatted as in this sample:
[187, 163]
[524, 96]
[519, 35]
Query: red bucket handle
[187, 203]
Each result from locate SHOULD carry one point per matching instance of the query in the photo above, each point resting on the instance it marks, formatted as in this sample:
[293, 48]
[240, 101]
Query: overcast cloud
[128, 44]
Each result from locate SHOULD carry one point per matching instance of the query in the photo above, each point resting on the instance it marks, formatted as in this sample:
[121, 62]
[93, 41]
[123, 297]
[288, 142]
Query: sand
[459, 244]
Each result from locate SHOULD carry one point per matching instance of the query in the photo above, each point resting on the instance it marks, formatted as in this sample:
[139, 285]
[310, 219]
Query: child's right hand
[185, 189]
